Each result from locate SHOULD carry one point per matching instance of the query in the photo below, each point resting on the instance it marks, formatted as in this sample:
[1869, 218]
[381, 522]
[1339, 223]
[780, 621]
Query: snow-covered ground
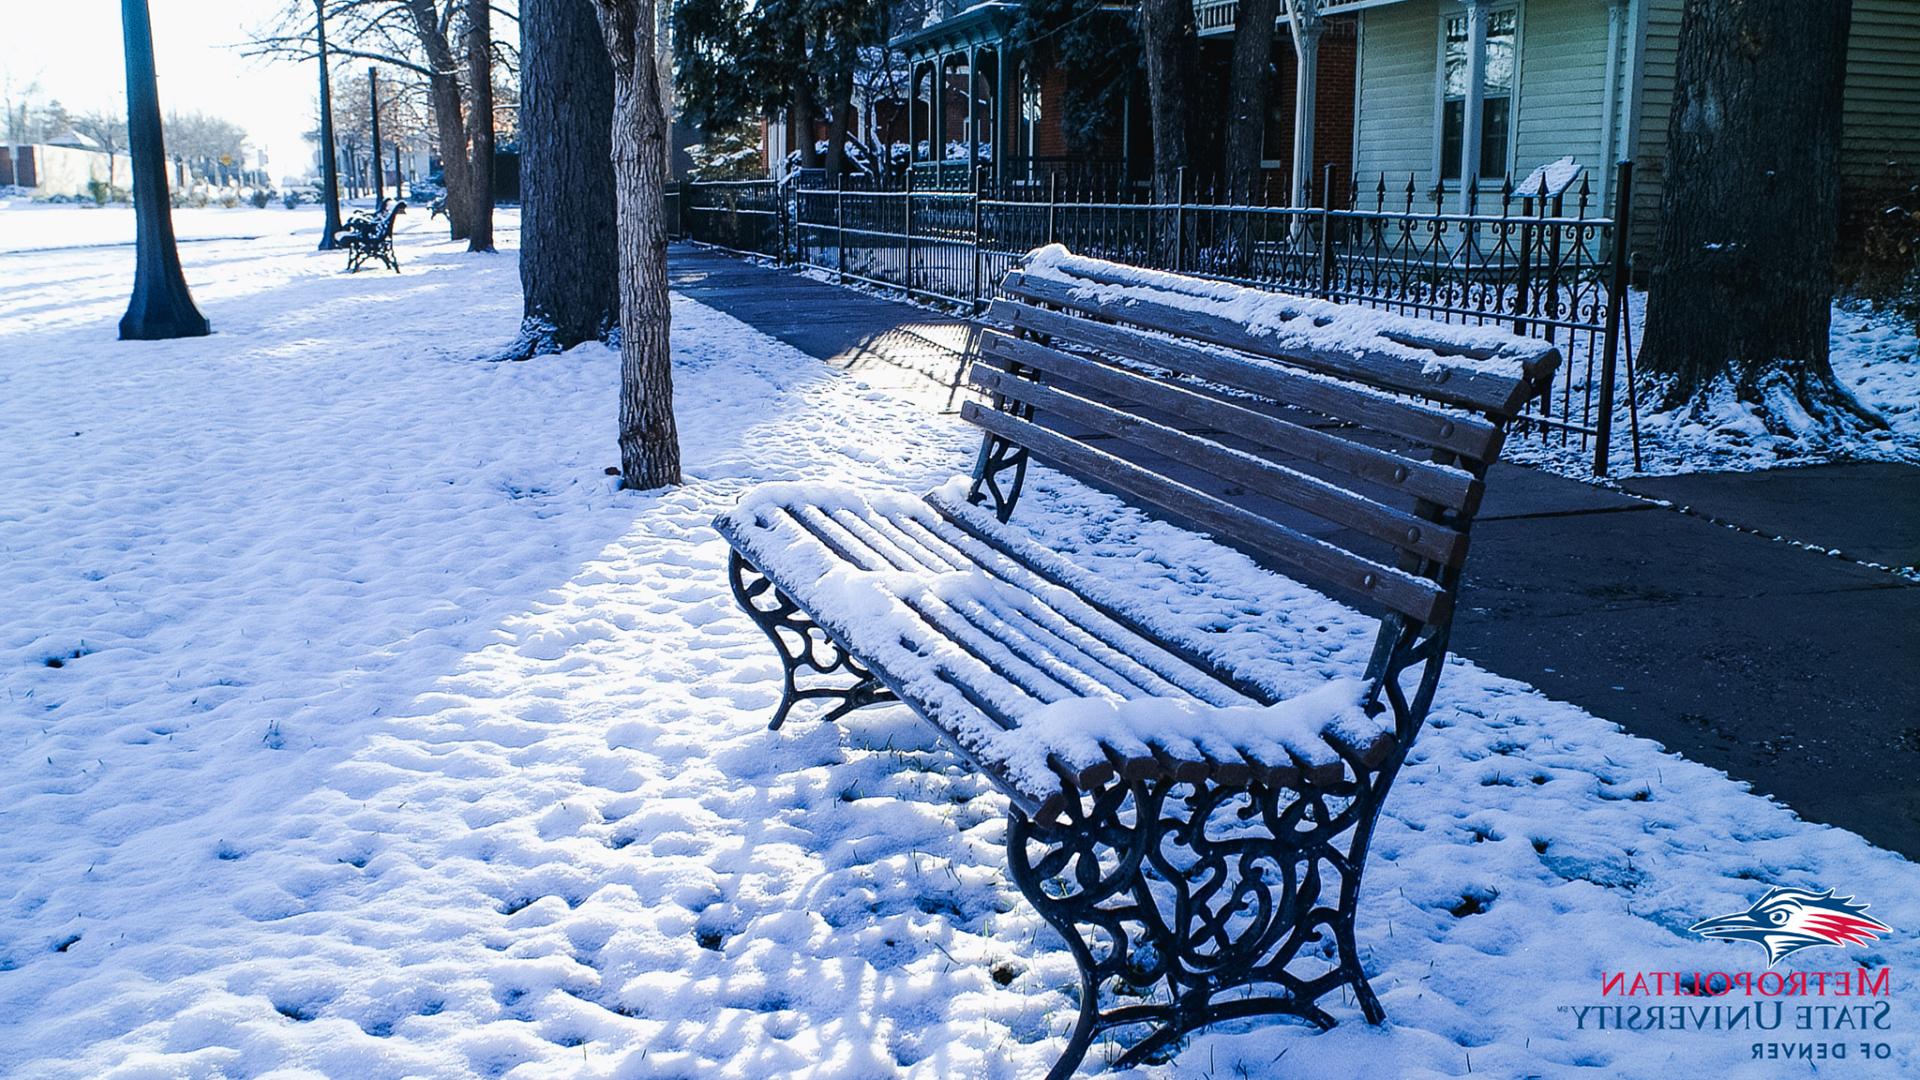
[1875, 355]
[358, 726]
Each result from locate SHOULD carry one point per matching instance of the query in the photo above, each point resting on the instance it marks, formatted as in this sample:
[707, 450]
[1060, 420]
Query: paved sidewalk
[1791, 669]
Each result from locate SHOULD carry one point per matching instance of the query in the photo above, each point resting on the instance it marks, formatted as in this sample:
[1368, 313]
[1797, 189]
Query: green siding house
[1589, 79]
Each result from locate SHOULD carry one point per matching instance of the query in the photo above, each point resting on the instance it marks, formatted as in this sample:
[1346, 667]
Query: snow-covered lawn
[357, 726]
[1875, 355]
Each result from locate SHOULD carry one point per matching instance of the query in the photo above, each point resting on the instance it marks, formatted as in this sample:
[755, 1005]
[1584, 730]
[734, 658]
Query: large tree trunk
[1249, 77]
[480, 123]
[1742, 286]
[569, 260]
[839, 125]
[443, 90]
[649, 442]
[1165, 36]
[161, 307]
[805, 107]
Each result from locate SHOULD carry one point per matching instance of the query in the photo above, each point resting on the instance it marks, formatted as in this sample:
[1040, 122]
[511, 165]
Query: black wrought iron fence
[1545, 265]
[748, 216]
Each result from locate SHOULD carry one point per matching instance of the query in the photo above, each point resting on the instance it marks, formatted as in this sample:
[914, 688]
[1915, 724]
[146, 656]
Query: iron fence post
[1523, 288]
[840, 225]
[1326, 234]
[979, 181]
[1616, 309]
[780, 201]
[1053, 200]
[906, 241]
[1179, 217]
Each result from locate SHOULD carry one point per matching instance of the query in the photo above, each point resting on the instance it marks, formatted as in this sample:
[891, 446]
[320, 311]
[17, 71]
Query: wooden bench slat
[834, 530]
[1318, 497]
[1049, 654]
[1418, 597]
[1193, 658]
[1121, 647]
[1455, 489]
[1471, 437]
[1452, 383]
[1139, 680]
[1413, 333]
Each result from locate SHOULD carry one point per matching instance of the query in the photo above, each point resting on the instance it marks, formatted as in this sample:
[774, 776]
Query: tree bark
[443, 89]
[1741, 289]
[161, 307]
[805, 108]
[1166, 38]
[1249, 77]
[569, 259]
[480, 124]
[329, 152]
[649, 441]
[838, 126]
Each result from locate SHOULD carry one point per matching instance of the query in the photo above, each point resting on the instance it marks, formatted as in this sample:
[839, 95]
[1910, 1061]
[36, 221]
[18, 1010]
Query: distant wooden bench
[1176, 820]
[371, 237]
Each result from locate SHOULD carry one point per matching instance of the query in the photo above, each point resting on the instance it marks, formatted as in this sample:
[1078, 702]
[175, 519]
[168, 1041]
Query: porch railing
[1546, 266]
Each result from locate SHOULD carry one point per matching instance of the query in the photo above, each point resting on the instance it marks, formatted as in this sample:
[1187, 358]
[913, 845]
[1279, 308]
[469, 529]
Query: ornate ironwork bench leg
[805, 650]
[1210, 902]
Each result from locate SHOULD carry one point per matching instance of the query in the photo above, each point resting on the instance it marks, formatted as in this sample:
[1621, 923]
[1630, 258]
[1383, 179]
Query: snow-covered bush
[728, 155]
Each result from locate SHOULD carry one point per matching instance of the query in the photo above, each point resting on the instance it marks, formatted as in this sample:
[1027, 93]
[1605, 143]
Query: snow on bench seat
[1036, 669]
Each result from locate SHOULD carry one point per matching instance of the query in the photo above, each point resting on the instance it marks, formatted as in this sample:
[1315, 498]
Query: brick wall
[1333, 112]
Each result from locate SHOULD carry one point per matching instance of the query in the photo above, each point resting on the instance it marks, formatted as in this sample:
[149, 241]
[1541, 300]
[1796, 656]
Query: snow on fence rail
[1543, 266]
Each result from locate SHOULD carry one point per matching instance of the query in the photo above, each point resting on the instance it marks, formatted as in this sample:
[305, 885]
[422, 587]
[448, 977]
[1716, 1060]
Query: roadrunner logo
[1788, 920]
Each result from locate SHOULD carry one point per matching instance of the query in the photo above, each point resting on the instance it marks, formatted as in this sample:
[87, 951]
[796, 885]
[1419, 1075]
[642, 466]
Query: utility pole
[379, 168]
[329, 165]
[161, 306]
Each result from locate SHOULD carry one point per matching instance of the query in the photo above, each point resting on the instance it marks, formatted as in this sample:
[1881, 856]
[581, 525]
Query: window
[1277, 127]
[1496, 107]
[1027, 139]
[1276, 131]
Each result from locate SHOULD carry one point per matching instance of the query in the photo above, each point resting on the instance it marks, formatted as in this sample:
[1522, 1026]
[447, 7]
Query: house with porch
[1460, 99]
[976, 102]
[1471, 96]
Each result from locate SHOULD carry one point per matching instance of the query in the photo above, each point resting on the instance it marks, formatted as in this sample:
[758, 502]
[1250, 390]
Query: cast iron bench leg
[1201, 895]
[804, 648]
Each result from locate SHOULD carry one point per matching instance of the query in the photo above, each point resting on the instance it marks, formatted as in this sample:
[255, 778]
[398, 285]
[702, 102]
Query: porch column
[937, 92]
[973, 94]
[1003, 134]
[913, 106]
[1303, 23]
[1616, 18]
[1474, 106]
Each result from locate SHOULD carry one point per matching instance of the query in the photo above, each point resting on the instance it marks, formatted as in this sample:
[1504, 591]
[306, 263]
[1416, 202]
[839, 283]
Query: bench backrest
[383, 225]
[1348, 443]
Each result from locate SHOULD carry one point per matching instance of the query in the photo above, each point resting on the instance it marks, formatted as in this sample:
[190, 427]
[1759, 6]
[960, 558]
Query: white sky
[72, 49]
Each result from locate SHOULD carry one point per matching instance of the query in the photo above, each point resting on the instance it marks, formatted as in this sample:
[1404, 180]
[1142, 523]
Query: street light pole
[379, 169]
[161, 306]
[329, 164]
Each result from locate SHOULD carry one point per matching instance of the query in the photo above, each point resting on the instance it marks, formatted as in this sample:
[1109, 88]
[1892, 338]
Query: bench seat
[985, 634]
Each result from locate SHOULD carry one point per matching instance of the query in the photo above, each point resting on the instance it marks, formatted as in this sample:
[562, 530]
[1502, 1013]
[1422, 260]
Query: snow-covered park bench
[371, 237]
[1196, 839]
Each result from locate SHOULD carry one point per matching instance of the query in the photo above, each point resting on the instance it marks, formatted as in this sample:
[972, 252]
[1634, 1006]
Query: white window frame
[1449, 11]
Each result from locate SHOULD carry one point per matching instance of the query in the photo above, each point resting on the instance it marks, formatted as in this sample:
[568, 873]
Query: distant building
[69, 166]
